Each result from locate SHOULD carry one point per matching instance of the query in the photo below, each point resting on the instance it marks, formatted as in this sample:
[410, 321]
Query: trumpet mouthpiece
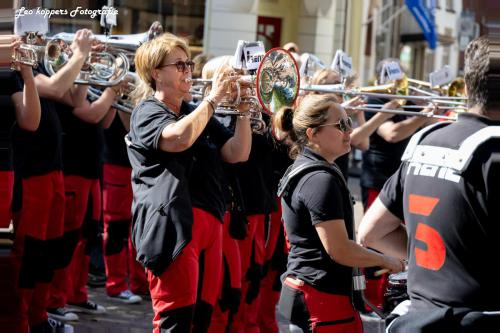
[188, 80]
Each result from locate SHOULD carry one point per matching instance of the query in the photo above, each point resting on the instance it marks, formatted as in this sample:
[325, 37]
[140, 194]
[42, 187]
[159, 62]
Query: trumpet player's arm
[27, 102]
[125, 119]
[181, 135]
[393, 132]
[108, 119]
[360, 136]
[237, 149]
[57, 86]
[95, 112]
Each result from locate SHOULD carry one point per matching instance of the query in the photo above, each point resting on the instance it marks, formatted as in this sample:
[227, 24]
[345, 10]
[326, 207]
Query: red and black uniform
[447, 192]
[380, 161]
[10, 85]
[38, 165]
[119, 254]
[82, 160]
[252, 178]
[177, 224]
[316, 293]
[276, 248]
[10, 309]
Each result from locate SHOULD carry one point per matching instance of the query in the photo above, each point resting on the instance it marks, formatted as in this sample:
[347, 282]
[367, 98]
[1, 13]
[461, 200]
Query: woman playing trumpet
[175, 150]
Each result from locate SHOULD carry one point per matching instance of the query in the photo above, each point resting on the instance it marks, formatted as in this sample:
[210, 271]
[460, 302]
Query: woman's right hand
[222, 84]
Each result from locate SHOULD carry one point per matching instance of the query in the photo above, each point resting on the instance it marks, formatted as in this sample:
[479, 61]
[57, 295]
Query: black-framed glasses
[181, 65]
[344, 124]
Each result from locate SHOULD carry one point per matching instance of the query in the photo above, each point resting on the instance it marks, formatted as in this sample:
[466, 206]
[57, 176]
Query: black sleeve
[322, 196]
[392, 192]
[148, 122]
[492, 174]
[218, 132]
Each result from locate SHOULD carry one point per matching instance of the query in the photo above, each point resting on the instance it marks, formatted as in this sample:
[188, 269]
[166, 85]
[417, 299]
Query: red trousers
[268, 295]
[177, 287]
[6, 187]
[231, 273]
[119, 254]
[70, 282]
[317, 312]
[252, 251]
[41, 221]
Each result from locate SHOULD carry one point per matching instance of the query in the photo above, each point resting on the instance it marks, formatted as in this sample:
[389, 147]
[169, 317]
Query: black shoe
[62, 314]
[88, 307]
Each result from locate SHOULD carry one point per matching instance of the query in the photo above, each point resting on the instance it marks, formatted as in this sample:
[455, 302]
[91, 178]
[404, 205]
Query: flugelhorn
[123, 102]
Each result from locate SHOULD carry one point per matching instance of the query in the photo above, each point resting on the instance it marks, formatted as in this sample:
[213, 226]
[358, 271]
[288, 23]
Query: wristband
[211, 103]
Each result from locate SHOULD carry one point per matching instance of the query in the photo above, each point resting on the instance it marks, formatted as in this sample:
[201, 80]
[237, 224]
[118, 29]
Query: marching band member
[21, 104]
[451, 212]
[82, 170]
[38, 164]
[317, 285]
[175, 150]
[380, 161]
[119, 254]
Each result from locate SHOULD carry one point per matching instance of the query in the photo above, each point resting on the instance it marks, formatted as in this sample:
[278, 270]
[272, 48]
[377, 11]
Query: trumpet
[243, 92]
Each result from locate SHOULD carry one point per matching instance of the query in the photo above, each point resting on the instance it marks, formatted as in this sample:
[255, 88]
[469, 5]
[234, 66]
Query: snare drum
[396, 291]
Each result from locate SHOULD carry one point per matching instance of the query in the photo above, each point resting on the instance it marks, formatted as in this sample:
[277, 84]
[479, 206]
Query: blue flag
[424, 15]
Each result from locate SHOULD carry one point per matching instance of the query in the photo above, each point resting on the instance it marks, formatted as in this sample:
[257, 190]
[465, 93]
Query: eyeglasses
[344, 124]
[181, 65]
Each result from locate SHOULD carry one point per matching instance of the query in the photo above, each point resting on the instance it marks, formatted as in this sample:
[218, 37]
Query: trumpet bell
[278, 80]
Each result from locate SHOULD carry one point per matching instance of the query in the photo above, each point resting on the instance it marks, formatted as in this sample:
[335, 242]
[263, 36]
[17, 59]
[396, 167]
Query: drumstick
[387, 270]
[381, 271]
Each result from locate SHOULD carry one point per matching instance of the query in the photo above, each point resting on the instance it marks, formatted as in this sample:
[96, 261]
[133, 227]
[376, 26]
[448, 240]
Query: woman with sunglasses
[319, 223]
[175, 150]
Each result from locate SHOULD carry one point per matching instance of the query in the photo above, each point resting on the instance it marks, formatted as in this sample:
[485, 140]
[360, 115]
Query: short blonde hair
[149, 56]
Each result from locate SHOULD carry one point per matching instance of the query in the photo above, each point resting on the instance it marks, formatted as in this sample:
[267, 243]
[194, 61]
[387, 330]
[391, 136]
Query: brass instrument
[100, 68]
[123, 103]
[31, 54]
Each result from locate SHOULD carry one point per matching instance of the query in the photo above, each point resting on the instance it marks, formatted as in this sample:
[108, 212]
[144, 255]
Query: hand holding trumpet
[82, 42]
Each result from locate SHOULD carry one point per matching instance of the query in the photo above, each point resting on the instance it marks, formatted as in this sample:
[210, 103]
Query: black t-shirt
[280, 162]
[206, 179]
[10, 85]
[115, 150]
[82, 144]
[161, 207]
[39, 152]
[452, 219]
[254, 176]
[318, 196]
[382, 159]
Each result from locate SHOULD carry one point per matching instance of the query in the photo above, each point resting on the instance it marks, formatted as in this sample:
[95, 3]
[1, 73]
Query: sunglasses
[344, 124]
[181, 65]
